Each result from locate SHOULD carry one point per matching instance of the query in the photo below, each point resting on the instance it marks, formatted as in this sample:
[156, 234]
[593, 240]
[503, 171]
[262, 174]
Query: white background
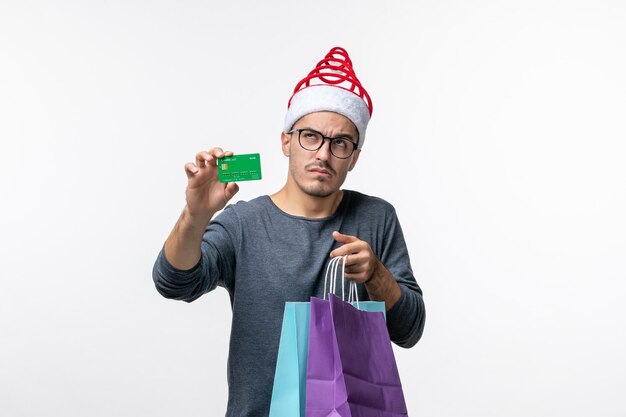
[498, 133]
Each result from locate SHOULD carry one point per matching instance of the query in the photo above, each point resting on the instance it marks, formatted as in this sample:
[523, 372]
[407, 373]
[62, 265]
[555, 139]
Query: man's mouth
[319, 170]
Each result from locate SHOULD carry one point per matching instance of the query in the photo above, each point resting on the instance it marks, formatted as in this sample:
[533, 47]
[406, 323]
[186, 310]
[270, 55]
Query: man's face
[319, 173]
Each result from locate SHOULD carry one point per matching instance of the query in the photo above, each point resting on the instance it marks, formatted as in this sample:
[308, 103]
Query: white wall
[498, 133]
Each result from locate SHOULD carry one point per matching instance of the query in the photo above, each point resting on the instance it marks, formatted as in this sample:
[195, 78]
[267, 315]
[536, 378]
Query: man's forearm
[383, 287]
[183, 246]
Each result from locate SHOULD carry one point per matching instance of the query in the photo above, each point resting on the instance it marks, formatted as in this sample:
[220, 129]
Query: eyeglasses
[312, 140]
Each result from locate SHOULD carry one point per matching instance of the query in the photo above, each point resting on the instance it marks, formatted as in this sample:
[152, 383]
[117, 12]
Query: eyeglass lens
[312, 141]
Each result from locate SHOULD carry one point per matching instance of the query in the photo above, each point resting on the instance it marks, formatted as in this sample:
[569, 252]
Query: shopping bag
[351, 370]
[288, 392]
[289, 389]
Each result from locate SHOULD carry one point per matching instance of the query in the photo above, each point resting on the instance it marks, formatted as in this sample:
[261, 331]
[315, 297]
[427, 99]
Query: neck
[294, 201]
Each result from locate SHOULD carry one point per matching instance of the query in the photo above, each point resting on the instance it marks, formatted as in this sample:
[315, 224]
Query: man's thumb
[231, 189]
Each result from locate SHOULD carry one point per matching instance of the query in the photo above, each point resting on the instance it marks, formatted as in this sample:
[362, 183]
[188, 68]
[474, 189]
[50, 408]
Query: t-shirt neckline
[340, 208]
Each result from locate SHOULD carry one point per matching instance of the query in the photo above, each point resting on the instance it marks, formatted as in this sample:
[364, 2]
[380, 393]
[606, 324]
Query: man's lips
[318, 170]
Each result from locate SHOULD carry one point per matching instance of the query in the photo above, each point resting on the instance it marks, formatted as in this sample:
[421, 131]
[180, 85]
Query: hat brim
[335, 99]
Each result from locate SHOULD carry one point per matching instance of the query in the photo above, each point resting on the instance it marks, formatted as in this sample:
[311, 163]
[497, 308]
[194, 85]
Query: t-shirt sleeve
[405, 320]
[215, 267]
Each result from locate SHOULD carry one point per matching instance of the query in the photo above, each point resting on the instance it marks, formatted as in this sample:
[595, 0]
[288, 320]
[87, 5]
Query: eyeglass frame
[354, 145]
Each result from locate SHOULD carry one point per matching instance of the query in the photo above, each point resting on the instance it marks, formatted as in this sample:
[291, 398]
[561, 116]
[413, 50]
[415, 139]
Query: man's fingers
[209, 158]
[341, 238]
[357, 274]
[205, 158]
[356, 262]
[351, 249]
[218, 153]
[202, 158]
[190, 169]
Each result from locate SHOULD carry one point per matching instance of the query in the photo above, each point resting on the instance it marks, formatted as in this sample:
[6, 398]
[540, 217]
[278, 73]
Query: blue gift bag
[288, 393]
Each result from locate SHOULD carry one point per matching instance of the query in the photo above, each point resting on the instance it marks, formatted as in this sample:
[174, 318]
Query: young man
[275, 248]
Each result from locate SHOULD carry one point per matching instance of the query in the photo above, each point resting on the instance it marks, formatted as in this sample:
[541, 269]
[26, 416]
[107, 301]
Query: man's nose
[323, 153]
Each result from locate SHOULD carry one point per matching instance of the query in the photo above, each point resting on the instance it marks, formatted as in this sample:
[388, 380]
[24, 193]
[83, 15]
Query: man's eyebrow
[338, 135]
[345, 135]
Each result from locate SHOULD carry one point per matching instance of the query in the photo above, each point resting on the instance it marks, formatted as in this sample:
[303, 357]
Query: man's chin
[319, 191]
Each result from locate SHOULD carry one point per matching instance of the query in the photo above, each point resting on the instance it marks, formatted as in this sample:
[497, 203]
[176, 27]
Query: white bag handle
[331, 270]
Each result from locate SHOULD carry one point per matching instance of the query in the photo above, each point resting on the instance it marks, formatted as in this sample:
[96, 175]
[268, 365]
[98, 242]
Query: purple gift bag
[351, 369]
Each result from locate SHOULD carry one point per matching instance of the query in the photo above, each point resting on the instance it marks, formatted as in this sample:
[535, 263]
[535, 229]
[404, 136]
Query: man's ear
[355, 157]
[285, 140]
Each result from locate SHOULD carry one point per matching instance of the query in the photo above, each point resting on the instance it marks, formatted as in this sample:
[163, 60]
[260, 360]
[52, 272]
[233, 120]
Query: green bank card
[239, 168]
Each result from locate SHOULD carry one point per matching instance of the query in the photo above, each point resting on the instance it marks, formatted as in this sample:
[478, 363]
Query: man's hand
[361, 262]
[205, 194]
[205, 197]
[364, 267]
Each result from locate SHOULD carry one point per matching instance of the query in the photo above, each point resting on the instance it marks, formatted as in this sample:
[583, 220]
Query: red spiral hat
[336, 69]
[331, 86]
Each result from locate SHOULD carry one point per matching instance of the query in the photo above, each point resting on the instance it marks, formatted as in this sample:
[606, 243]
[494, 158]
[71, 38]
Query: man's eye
[309, 135]
[341, 143]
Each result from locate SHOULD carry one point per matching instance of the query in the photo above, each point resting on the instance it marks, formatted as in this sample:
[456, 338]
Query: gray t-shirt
[264, 257]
